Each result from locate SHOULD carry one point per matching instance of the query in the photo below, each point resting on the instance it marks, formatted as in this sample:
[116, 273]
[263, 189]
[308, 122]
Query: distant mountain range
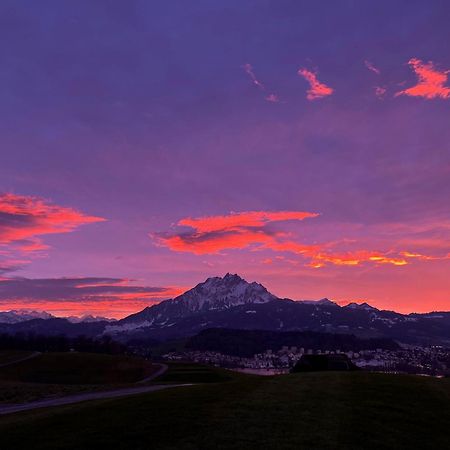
[231, 302]
[24, 315]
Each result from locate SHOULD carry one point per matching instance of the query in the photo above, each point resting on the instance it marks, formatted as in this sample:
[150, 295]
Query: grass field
[78, 368]
[8, 356]
[185, 372]
[299, 411]
[57, 374]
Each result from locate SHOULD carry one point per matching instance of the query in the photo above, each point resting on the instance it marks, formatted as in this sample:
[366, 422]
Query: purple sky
[148, 113]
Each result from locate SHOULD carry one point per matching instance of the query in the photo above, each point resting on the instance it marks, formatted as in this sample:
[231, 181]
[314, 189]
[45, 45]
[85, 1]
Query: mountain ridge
[232, 302]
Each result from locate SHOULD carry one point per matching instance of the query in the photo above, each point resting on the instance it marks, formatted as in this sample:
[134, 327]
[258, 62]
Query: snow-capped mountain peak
[214, 294]
[364, 306]
[322, 302]
[223, 293]
[22, 315]
[89, 318]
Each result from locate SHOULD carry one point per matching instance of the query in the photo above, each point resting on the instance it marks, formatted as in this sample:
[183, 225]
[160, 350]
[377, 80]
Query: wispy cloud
[75, 289]
[9, 266]
[271, 97]
[108, 296]
[213, 234]
[317, 89]
[431, 81]
[250, 230]
[24, 218]
[249, 71]
[356, 258]
[380, 91]
[372, 67]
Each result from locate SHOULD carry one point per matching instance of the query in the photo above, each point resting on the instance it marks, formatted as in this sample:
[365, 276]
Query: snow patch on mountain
[88, 319]
[22, 315]
[214, 294]
[322, 302]
[363, 306]
[223, 293]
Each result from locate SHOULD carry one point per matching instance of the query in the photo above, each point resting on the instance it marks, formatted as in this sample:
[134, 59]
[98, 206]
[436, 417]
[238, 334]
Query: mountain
[231, 302]
[323, 301]
[364, 306]
[215, 294]
[88, 318]
[22, 315]
[54, 326]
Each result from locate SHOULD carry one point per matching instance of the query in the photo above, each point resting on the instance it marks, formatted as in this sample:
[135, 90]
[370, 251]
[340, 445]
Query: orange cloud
[213, 234]
[424, 257]
[23, 218]
[250, 230]
[356, 258]
[359, 257]
[243, 219]
[317, 89]
[431, 82]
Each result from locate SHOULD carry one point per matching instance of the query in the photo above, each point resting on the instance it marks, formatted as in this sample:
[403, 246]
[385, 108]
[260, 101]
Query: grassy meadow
[56, 374]
[298, 411]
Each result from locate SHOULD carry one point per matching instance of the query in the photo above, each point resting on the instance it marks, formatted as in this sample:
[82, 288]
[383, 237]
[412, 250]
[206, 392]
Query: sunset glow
[145, 148]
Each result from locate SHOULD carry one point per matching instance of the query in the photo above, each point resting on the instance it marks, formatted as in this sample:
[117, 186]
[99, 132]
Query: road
[9, 409]
[33, 355]
[159, 372]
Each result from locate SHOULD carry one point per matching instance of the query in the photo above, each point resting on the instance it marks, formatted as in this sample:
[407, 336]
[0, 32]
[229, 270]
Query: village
[432, 360]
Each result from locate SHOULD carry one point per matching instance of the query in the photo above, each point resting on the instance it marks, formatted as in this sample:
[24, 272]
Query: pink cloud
[243, 219]
[371, 67]
[112, 297]
[249, 71]
[272, 97]
[24, 218]
[431, 81]
[317, 89]
[249, 230]
[380, 91]
[213, 234]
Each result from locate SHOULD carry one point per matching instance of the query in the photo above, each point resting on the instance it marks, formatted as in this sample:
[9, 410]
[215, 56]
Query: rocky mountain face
[215, 294]
[231, 302]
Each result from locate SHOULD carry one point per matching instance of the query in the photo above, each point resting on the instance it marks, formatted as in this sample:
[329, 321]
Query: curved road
[9, 409]
[162, 369]
[84, 397]
[33, 355]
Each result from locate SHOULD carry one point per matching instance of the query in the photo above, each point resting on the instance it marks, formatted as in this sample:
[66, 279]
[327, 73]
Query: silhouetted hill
[246, 343]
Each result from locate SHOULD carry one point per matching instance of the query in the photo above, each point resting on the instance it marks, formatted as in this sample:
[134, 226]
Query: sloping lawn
[301, 411]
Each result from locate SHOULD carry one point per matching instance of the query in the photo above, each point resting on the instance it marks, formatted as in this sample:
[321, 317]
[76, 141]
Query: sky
[146, 146]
